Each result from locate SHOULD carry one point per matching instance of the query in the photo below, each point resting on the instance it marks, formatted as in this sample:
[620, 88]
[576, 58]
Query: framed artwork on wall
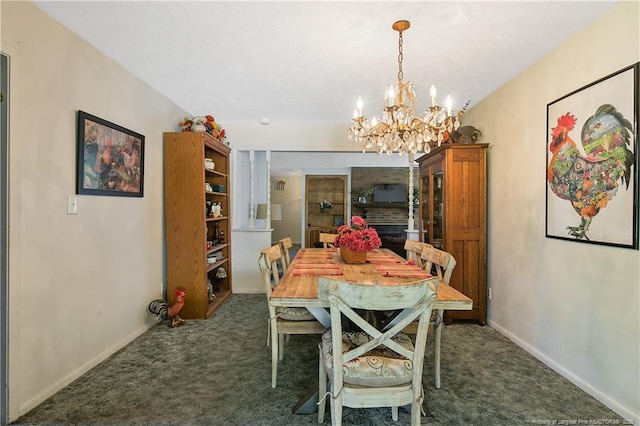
[110, 158]
[592, 162]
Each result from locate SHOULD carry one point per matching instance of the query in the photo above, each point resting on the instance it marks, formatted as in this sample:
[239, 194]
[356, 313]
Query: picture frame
[110, 158]
[591, 171]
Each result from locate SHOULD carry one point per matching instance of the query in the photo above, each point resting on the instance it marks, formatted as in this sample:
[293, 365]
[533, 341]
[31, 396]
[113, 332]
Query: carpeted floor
[217, 372]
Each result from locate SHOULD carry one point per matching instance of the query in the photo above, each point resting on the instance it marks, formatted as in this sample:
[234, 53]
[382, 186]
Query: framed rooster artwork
[592, 162]
[110, 158]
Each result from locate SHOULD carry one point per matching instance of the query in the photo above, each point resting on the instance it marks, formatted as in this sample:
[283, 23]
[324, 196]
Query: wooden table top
[299, 285]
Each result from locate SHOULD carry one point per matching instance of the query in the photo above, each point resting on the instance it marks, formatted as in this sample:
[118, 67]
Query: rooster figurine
[162, 310]
[590, 180]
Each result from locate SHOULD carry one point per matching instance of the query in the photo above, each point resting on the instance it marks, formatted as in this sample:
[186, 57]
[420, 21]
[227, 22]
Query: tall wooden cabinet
[197, 221]
[332, 188]
[453, 217]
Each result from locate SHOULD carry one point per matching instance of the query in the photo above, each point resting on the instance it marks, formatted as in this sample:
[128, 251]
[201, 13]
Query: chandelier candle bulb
[449, 105]
[433, 92]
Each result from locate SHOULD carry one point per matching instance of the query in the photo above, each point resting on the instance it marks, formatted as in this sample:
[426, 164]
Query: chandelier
[400, 130]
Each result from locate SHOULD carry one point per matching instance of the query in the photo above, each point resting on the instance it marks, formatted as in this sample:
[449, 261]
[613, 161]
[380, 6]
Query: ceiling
[300, 61]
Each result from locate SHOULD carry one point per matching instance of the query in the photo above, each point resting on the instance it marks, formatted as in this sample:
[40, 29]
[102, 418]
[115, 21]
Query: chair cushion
[378, 367]
[294, 314]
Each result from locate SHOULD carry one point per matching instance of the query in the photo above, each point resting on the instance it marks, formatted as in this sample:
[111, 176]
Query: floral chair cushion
[294, 314]
[379, 367]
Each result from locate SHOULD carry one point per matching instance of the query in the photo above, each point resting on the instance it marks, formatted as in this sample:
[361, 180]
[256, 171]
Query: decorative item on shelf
[400, 130]
[363, 194]
[207, 187]
[210, 292]
[221, 275]
[206, 123]
[216, 234]
[466, 134]
[356, 241]
[219, 188]
[325, 206]
[216, 210]
[209, 164]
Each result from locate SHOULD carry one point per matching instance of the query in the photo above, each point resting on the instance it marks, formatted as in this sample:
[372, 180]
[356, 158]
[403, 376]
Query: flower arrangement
[358, 237]
[205, 123]
[365, 192]
[325, 204]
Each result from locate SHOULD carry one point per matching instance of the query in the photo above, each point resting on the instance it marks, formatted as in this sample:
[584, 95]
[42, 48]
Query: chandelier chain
[400, 57]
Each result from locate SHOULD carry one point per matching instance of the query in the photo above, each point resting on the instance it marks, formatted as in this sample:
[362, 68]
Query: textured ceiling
[309, 61]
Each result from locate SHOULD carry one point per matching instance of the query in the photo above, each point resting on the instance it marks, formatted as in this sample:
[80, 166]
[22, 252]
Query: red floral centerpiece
[356, 240]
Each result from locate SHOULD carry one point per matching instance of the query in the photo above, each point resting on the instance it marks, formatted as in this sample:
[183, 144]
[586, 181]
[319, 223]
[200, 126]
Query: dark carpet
[217, 372]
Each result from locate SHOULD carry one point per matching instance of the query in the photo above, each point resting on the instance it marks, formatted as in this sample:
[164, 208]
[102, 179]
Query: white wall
[79, 286]
[575, 306]
[291, 200]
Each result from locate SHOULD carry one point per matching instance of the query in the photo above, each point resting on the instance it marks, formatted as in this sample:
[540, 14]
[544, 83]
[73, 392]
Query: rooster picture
[589, 175]
[162, 310]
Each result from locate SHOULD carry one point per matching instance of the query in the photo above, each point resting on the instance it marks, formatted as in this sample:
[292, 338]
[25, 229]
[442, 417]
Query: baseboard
[75, 374]
[614, 405]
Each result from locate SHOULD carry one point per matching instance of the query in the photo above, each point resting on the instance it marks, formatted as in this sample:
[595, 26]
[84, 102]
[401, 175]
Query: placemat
[405, 271]
[380, 258]
[316, 271]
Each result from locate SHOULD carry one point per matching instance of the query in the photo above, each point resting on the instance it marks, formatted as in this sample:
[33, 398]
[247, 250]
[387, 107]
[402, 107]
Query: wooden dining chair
[285, 247]
[440, 263]
[414, 251]
[282, 321]
[373, 368]
[327, 239]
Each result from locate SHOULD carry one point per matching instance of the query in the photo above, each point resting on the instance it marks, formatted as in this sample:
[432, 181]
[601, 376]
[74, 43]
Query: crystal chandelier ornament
[399, 130]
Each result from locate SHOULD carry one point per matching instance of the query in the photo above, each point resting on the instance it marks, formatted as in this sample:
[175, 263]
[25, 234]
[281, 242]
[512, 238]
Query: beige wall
[574, 306]
[79, 286]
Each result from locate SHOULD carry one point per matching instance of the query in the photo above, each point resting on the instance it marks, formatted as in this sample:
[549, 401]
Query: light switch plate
[72, 204]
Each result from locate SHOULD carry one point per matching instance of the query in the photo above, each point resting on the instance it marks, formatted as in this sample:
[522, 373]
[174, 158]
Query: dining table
[298, 287]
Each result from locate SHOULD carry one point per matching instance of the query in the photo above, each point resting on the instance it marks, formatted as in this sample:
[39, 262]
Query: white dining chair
[282, 321]
[440, 263]
[372, 368]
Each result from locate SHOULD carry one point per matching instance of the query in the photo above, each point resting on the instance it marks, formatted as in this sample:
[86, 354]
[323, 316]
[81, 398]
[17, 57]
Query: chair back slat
[439, 261]
[285, 247]
[327, 239]
[414, 250]
[273, 255]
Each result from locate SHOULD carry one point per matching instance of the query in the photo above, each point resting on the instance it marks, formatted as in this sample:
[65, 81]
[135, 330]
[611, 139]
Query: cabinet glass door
[438, 222]
[424, 209]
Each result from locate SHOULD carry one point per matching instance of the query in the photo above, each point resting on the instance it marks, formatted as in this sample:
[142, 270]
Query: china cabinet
[320, 188]
[197, 221]
[453, 217]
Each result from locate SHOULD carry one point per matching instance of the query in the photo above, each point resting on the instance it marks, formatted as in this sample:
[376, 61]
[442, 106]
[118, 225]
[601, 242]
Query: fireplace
[392, 237]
